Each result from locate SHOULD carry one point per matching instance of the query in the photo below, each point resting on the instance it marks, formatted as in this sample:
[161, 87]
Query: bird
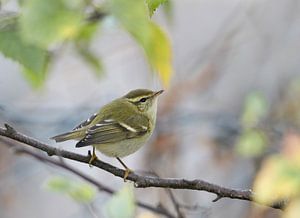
[119, 128]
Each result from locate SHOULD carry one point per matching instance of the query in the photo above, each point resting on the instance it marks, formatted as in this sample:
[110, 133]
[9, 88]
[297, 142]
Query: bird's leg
[127, 170]
[93, 157]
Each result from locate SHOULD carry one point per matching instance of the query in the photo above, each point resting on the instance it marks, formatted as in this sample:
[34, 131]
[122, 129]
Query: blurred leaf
[33, 58]
[58, 184]
[48, 22]
[80, 192]
[122, 204]
[153, 5]
[255, 108]
[133, 16]
[90, 58]
[87, 32]
[292, 210]
[159, 54]
[82, 44]
[36, 79]
[278, 179]
[251, 143]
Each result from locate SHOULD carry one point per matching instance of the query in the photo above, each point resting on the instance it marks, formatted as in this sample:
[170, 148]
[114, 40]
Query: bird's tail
[67, 136]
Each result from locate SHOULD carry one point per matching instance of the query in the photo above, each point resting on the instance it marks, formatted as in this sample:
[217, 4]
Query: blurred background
[232, 102]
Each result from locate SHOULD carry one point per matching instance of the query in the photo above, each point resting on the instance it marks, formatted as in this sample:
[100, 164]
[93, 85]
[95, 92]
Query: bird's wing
[111, 131]
[86, 122]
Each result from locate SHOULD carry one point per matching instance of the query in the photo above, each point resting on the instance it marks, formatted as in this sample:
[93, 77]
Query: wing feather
[111, 131]
[86, 122]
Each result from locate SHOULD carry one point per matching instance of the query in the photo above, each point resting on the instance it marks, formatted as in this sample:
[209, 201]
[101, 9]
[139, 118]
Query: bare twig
[139, 181]
[101, 187]
[175, 203]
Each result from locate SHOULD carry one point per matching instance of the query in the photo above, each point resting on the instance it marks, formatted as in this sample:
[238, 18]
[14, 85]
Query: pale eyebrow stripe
[136, 99]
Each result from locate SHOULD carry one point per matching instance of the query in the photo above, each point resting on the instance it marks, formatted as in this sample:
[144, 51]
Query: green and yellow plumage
[119, 128]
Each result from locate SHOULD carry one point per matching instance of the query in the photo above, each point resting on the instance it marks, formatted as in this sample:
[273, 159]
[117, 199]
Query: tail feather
[67, 136]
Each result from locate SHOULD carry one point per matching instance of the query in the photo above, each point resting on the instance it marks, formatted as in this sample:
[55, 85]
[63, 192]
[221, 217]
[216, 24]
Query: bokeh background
[233, 100]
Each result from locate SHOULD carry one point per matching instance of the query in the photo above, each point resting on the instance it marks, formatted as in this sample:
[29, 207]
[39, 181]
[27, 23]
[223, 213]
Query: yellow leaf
[134, 18]
[278, 179]
[159, 54]
[251, 143]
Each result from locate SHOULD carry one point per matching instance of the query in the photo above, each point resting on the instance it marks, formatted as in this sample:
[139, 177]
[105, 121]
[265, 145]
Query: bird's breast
[123, 148]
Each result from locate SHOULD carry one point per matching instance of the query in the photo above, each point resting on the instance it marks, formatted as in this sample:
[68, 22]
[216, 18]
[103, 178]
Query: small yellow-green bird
[120, 127]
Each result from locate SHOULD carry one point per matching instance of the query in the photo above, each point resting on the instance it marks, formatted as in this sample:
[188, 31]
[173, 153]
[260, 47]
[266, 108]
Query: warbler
[119, 128]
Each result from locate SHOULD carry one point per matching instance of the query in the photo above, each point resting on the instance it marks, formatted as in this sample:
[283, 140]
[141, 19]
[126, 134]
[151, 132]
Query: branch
[101, 187]
[139, 180]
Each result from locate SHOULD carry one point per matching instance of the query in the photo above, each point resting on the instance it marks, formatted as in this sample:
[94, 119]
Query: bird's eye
[143, 99]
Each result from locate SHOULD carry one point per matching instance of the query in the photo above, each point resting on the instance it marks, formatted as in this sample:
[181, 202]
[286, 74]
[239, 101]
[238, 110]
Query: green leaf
[82, 46]
[153, 5]
[87, 32]
[90, 58]
[36, 79]
[48, 22]
[58, 184]
[122, 204]
[78, 191]
[255, 108]
[251, 143]
[133, 16]
[82, 192]
[34, 59]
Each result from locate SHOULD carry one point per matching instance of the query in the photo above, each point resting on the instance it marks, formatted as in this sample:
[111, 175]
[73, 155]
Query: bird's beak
[158, 93]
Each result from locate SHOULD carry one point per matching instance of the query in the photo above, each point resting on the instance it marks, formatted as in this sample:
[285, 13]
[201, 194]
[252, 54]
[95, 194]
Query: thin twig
[139, 180]
[175, 203]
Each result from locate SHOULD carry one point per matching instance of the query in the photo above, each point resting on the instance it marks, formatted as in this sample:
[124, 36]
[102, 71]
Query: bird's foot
[127, 170]
[93, 157]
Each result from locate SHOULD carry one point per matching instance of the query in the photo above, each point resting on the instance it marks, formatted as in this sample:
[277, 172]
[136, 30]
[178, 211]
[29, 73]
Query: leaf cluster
[31, 36]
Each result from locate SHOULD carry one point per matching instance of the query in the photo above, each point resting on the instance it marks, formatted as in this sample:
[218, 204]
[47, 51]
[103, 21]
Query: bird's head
[144, 99]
